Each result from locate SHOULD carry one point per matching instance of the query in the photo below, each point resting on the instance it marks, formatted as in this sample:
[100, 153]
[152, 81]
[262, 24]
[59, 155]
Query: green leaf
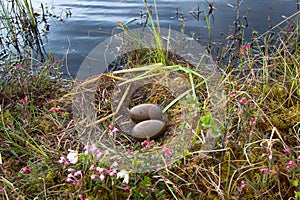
[295, 183]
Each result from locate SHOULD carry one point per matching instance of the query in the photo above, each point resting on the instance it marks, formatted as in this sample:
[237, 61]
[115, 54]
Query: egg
[144, 112]
[148, 129]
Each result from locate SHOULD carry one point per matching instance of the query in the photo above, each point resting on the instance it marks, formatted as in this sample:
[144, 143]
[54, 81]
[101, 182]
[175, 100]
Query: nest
[183, 89]
[108, 98]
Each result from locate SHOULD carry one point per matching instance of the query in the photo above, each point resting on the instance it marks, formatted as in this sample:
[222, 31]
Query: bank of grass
[256, 157]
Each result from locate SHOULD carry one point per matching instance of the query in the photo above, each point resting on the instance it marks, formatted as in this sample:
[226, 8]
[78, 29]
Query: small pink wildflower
[25, 99]
[111, 132]
[147, 143]
[254, 123]
[291, 164]
[63, 160]
[101, 177]
[263, 155]
[100, 170]
[288, 150]
[265, 170]
[1, 190]
[26, 170]
[246, 47]
[270, 157]
[78, 173]
[111, 172]
[166, 151]
[54, 110]
[92, 149]
[93, 176]
[80, 196]
[112, 125]
[241, 52]
[243, 184]
[298, 158]
[115, 164]
[19, 66]
[71, 170]
[274, 172]
[243, 100]
[98, 154]
[92, 168]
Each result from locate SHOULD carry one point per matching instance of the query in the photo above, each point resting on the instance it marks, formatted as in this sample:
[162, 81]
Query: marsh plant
[19, 31]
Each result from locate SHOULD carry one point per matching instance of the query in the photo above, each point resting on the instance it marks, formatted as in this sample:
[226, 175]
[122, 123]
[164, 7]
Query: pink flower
[112, 172]
[298, 158]
[111, 132]
[241, 52]
[288, 150]
[70, 180]
[166, 151]
[90, 149]
[115, 164]
[291, 164]
[93, 176]
[63, 160]
[111, 126]
[243, 100]
[80, 196]
[78, 173]
[246, 47]
[25, 99]
[92, 168]
[71, 170]
[26, 170]
[243, 184]
[19, 66]
[54, 110]
[101, 177]
[265, 170]
[147, 143]
[98, 154]
[270, 157]
[1, 190]
[254, 123]
[100, 170]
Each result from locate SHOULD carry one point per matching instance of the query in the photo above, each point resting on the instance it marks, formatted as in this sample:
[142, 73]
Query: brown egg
[144, 112]
[149, 128]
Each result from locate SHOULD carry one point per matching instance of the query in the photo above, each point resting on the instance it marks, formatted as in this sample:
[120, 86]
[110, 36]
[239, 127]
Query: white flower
[72, 156]
[123, 174]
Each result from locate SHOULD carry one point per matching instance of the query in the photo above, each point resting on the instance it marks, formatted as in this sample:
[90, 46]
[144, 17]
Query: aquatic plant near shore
[19, 28]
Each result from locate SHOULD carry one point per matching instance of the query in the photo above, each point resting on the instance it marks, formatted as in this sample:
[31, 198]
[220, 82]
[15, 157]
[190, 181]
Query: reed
[19, 30]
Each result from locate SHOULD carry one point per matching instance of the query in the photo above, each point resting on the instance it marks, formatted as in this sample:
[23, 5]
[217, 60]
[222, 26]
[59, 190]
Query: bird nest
[184, 90]
[107, 99]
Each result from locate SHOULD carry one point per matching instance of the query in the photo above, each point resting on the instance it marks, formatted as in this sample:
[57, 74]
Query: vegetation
[255, 156]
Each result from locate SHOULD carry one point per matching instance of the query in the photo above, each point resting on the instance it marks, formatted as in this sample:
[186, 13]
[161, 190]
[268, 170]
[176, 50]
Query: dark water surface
[93, 21]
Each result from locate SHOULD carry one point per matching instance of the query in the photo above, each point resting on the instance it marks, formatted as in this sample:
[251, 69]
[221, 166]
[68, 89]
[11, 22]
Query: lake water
[92, 21]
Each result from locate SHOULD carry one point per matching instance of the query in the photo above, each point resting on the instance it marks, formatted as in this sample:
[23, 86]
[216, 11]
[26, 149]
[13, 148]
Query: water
[92, 21]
